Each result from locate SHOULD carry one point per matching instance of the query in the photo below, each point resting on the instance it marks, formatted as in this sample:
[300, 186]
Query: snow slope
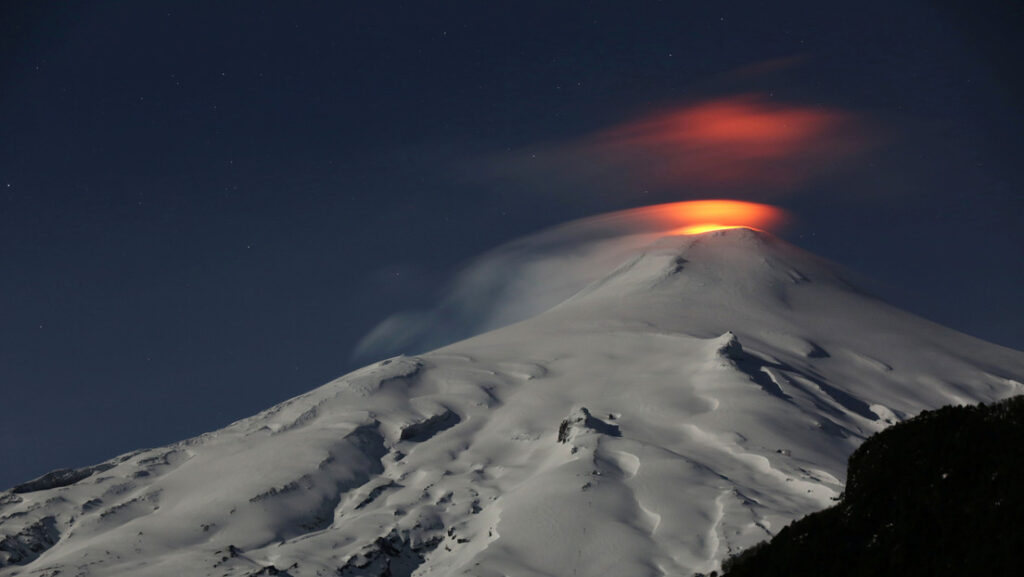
[687, 405]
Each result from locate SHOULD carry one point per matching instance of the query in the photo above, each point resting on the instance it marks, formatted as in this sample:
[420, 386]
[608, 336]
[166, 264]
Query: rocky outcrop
[29, 543]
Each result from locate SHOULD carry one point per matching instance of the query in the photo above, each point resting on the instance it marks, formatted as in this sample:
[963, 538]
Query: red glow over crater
[700, 216]
[702, 228]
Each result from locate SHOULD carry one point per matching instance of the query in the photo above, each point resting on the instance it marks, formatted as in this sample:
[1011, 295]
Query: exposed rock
[423, 430]
[582, 421]
[29, 543]
[60, 478]
[390, 556]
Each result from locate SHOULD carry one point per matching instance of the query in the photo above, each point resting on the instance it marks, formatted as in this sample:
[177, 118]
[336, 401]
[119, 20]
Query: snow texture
[686, 406]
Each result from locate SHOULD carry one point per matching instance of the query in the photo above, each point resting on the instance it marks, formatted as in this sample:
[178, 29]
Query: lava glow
[701, 228]
[700, 216]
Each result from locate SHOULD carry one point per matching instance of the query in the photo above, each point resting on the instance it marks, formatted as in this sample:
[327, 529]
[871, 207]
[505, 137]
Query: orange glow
[702, 228]
[699, 216]
[733, 142]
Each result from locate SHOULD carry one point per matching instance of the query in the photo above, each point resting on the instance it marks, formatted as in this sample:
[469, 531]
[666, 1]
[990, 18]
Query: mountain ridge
[888, 521]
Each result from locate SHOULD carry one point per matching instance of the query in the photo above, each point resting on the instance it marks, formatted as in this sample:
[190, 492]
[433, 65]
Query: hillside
[938, 495]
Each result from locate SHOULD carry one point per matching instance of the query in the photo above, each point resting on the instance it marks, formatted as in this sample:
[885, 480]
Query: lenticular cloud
[525, 277]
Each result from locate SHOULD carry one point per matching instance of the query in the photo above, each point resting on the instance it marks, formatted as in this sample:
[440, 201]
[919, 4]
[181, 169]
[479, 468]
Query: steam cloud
[530, 275]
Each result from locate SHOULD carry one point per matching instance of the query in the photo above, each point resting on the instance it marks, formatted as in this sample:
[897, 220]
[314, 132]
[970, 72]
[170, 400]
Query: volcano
[682, 408]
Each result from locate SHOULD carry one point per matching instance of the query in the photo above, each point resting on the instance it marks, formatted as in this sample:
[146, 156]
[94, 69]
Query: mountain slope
[688, 405]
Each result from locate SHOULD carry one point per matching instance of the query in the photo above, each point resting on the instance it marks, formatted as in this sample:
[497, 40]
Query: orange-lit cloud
[731, 142]
[743, 146]
[698, 216]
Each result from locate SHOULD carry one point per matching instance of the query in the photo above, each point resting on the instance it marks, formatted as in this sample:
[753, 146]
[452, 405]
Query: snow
[685, 406]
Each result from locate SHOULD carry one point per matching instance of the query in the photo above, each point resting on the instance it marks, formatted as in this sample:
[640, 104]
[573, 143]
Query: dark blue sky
[204, 205]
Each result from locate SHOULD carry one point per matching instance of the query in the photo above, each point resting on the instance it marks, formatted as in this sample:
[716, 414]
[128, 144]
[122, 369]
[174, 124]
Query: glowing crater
[700, 216]
[702, 228]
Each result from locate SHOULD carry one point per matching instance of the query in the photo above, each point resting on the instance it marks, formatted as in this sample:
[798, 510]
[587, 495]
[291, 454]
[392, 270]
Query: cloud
[730, 142]
[530, 275]
[748, 145]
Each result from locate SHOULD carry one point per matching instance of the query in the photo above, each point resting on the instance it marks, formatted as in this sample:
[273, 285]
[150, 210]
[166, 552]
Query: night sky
[205, 205]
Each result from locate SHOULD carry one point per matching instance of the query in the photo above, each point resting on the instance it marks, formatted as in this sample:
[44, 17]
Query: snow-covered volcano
[688, 405]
